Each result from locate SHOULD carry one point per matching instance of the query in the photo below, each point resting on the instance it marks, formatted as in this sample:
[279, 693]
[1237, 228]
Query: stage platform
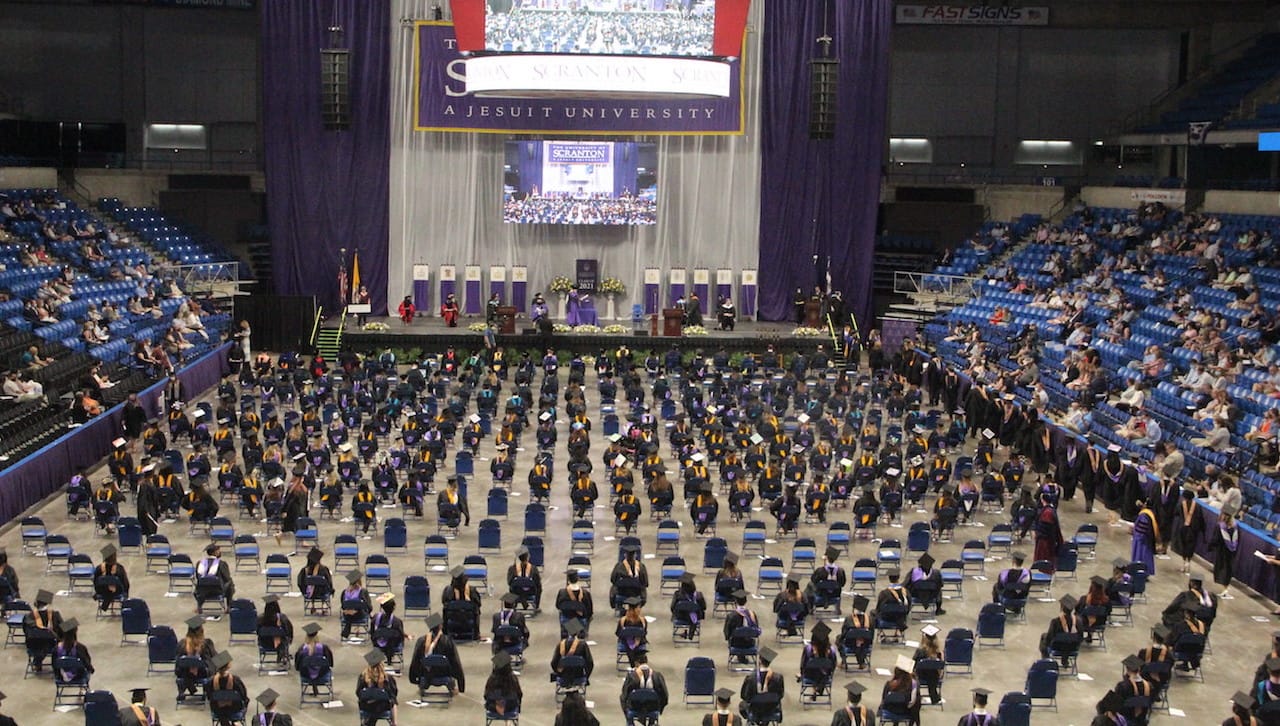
[431, 335]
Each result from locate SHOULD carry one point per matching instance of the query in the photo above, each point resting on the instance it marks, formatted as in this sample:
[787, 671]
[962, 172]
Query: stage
[431, 335]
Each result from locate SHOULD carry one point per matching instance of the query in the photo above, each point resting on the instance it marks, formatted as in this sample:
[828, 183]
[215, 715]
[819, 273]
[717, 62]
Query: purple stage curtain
[30, 481]
[820, 197]
[326, 189]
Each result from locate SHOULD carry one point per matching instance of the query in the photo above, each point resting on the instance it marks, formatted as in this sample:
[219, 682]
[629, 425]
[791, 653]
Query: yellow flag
[355, 277]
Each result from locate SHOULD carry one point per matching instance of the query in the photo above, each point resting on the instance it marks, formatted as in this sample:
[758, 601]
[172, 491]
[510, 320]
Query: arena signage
[971, 15]
[1176, 197]
[448, 84]
[521, 76]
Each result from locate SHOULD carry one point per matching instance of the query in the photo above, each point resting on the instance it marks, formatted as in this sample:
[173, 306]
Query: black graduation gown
[1188, 528]
[445, 647]
[1069, 459]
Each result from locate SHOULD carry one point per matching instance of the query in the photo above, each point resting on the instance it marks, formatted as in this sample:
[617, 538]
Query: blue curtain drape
[531, 166]
[820, 197]
[326, 190]
[625, 163]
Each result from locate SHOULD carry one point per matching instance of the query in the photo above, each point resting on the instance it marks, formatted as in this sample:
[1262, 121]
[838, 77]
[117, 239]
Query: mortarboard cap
[354, 576]
[930, 630]
[687, 578]
[833, 553]
[1114, 448]
[268, 599]
[860, 602]
[108, 551]
[731, 558]
[136, 695]
[311, 628]
[522, 551]
[198, 414]
[44, 597]
[220, 660]
[1068, 602]
[892, 471]
[345, 447]
[794, 577]
[458, 571]
[1120, 563]
[374, 658]
[740, 594]
[724, 694]
[757, 439]
[434, 621]
[1018, 555]
[474, 418]
[797, 449]
[905, 664]
[385, 597]
[1098, 580]
[821, 629]
[854, 689]
[619, 461]
[1111, 703]
[119, 442]
[846, 463]
[926, 561]
[509, 599]
[981, 691]
[988, 433]
[767, 654]
[615, 438]
[1132, 663]
[195, 622]
[1244, 701]
[213, 547]
[501, 659]
[573, 627]
[917, 461]
[546, 416]
[1272, 664]
[803, 418]
[300, 456]
[959, 412]
[268, 697]
[1161, 631]
[1195, 580]
[633, 601]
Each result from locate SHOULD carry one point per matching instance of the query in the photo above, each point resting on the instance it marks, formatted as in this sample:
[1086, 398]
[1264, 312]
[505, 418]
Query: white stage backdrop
[446, 195]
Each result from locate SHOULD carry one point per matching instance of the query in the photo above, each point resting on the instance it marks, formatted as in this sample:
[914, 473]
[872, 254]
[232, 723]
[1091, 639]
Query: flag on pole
[355, 276]
[342, 282]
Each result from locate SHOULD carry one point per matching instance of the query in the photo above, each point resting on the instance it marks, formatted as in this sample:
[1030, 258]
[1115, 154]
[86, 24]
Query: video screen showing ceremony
[835, 362]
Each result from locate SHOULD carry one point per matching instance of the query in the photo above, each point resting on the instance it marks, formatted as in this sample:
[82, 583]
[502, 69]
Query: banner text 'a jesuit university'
[443, 104]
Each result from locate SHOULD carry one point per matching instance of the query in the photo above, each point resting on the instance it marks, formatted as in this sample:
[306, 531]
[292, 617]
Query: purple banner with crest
[443, 104]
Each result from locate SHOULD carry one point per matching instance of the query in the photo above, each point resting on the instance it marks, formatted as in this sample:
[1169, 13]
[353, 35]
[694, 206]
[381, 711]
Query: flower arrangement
[614, 329]
[590, 329]
[612, 286]
[561, 285]
[477, 327]
[561, 328]
[371, 326]
[804, 332]
[695, 330]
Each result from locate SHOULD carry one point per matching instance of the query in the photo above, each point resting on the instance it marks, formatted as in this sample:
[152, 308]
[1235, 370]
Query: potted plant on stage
[611, 287]
[562, 286]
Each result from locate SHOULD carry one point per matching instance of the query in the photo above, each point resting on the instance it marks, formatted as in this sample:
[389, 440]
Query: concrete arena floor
[1240, 635]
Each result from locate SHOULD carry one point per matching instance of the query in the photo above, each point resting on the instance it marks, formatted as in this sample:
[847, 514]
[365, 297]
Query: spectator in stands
[22, 390]
[84, 407]
[1219, 437]
[142, 357]
[175, 341]
[190, 321]
[1266, 430]
[171, 290]
[91, 335]
[1169, 461]
[163, 362]
[1227, 496]
[1078, 418]
[1132, 398]
[96, 381]
[32, 360]
[1141, 429]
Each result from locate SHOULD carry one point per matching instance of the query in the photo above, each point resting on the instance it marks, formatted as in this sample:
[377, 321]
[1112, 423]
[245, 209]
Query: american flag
[342, 282]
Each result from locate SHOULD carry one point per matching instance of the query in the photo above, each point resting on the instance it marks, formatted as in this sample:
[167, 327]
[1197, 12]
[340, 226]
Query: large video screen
[580, 182]
[601, 27]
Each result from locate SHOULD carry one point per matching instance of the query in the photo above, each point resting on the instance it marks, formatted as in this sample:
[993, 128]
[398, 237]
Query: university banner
[943, 14]
[443, 103]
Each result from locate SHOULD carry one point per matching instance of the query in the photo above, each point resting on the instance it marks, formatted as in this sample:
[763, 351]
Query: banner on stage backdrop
[587, 275]
[443, 103]
[519, 285]
[471, 302]
[422, 287]
[652, 286]
[942, 14]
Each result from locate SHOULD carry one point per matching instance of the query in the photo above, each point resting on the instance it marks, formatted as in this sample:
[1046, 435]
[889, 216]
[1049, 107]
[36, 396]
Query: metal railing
[952, 287]
[206, 277]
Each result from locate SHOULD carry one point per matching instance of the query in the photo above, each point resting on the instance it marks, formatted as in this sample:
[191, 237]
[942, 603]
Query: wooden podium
[506, 320]
[813, 314]
[672, 322]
